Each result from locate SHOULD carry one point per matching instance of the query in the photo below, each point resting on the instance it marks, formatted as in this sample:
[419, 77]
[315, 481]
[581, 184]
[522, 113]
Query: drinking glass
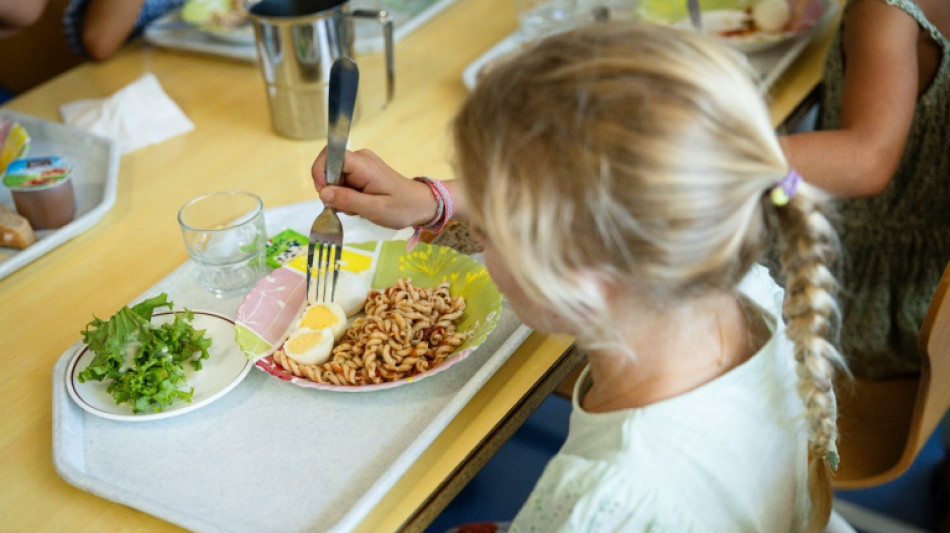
[225, 236]
[539, 18]
[589, 11]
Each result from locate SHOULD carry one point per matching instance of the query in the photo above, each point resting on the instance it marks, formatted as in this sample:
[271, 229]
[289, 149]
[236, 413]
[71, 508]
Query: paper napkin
[138, 115]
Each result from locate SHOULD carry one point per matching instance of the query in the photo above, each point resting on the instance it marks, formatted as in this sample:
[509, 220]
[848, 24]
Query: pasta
[406, 330]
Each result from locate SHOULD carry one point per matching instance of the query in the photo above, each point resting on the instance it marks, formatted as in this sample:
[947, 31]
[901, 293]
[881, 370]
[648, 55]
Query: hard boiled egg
[771, 15]
[323, 315]
[310, 347]
[351, 292]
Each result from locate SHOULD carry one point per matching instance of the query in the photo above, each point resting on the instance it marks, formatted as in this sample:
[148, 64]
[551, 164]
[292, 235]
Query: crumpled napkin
[138, 115]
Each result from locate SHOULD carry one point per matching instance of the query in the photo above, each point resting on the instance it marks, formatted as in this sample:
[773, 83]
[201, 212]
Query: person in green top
[18, 14]
[883, 147]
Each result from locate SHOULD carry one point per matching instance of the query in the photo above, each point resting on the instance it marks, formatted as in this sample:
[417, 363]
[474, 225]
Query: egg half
[323, 315]
[351, 292]
[310, 347]
[771, 15]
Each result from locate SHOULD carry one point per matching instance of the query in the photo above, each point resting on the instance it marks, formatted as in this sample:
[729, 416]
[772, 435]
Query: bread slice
[15, 230]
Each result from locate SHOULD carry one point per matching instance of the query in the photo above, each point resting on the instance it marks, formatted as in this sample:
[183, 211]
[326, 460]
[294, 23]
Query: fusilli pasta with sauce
[406, 330]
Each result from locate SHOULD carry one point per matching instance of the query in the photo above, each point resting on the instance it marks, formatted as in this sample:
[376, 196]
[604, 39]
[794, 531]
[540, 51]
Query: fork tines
[328, 260]
[326, 235]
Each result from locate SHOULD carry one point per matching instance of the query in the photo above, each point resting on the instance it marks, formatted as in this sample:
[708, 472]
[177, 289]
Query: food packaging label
[37, 173]
[285, 246]
[14, 143]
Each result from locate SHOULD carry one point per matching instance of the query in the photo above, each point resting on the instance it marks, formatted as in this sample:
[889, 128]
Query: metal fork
[695, 14]
[326, 233]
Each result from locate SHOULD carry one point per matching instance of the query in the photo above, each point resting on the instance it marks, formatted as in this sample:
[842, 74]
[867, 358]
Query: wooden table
[46, 303]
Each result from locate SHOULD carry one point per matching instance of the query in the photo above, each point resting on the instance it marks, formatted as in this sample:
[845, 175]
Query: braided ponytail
[812, 316]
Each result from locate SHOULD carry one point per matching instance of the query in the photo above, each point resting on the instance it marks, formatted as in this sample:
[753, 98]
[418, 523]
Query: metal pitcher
[297, 42]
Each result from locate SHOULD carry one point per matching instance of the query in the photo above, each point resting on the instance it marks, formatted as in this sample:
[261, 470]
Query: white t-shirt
[730, 455]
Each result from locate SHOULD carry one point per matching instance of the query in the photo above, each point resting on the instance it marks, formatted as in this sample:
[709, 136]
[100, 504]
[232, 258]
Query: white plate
[408, 15]
[225, 367]
[242, 35]
[769, 62]
[170, 31]
[728, 24]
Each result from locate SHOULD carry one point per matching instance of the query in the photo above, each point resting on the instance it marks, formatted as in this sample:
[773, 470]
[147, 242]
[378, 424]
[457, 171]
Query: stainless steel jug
[297, 42]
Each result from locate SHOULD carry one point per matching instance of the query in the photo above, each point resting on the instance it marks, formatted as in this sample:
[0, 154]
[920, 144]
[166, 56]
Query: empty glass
[225, 236]
[539, 18]
[605, 10]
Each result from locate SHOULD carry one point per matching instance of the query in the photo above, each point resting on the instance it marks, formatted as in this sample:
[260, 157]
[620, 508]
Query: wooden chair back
[884, 424]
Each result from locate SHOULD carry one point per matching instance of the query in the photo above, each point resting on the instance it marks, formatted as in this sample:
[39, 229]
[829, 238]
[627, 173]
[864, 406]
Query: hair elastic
[445, 210]
[833, 459]
[785, 189]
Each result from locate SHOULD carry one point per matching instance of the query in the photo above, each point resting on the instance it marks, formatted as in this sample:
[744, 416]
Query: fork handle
[344, 81]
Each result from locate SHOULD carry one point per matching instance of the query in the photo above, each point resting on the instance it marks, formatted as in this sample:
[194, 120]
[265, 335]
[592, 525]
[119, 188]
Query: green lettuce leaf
[144, 362]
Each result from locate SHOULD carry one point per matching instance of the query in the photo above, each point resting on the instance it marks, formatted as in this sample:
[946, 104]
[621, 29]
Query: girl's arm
[878, 101]
[18, 14]
[107, 25]
[377, 192]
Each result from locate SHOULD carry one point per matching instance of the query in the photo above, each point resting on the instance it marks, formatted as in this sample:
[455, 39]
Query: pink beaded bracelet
[445, 210]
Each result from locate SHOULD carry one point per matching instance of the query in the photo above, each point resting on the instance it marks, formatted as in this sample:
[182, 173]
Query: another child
[99, 28]
[884, 147]
[624, 180]
[18, 14]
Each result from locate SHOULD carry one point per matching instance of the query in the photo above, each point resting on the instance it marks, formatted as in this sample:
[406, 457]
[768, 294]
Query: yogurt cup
[42, 190]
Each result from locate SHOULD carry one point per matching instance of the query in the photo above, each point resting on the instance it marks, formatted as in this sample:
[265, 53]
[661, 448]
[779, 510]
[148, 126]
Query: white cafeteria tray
[95, 171]
[268, 456]
[769, 63]
[169, 32]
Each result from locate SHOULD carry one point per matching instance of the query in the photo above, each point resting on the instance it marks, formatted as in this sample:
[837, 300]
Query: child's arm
[878, 101]
[107, 25]
[380, 194]
[18, 14]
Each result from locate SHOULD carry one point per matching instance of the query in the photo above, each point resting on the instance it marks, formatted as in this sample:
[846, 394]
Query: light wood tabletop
[137, 243]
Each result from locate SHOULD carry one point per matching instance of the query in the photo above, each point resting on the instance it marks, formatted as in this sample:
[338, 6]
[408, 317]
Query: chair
[884, 424]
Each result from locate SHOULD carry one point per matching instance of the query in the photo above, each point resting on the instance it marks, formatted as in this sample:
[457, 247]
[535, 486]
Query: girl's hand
[372, 189]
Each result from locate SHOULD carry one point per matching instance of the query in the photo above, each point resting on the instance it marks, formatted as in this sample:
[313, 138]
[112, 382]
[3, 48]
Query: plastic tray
[769, 63]
[95, 171]
[268, 456]
[170, 32]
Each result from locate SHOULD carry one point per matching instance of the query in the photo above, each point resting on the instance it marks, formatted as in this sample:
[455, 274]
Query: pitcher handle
[385, 21]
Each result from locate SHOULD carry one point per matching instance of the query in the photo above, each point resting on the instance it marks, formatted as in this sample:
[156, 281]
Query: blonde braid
[813, 317]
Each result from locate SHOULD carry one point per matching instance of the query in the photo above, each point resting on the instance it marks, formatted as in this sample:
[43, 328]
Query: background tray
[769, 64]
[170, 32]
[269, 456]
[95, 171]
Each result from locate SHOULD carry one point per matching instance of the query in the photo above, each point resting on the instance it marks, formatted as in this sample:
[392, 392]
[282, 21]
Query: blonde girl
[624, 180]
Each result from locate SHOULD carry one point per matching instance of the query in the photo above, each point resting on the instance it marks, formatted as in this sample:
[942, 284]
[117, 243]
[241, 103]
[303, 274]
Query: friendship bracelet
[445, 210]
[440, 208]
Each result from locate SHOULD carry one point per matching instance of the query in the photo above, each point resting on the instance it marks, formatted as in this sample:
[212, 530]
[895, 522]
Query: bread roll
[15, 230]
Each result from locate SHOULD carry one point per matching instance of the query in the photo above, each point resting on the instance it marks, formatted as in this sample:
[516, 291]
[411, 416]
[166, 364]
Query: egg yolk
[304, 341]
[319, 317]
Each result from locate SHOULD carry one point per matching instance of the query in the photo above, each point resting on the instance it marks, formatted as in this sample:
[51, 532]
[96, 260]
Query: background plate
[169, 31]
[716, 13]
[768, 62]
